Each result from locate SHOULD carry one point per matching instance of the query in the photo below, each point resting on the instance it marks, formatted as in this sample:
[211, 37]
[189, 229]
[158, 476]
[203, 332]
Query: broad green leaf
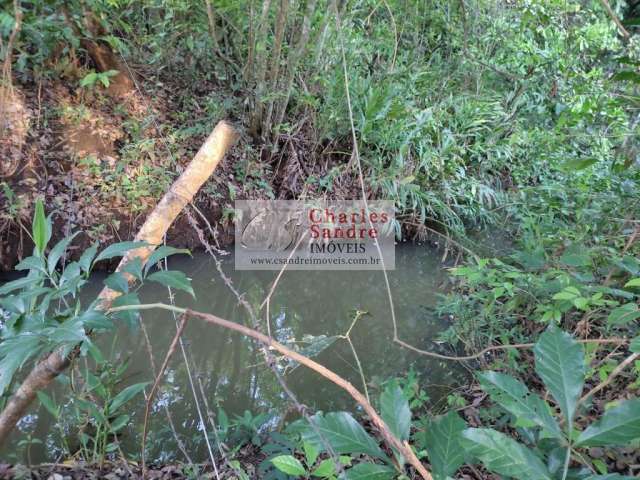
[161, 253]
[90, 408]
[129, 316]
[289, 465]
[41, 228]
[624, 314]
[560, 364]
[173, 278]
[95, 385]
[634, 346]
[311, 452]
[503, 455]
[515, 397]
[87, 257]
[48, 403]
[442, 441]
[118, 250]
[618, 426]
[14, 352]
[69, 331]
[71, 273]
[117, 282]
[56, 252]
[18, 284]
[568, 293]
[369, 471]
[343, 433]
[327, 468]
[134, 268]
[125, 395]
[627, 75]
[31, 263]
[579, 163]
[89, 79]
[635, 282]
[394, 410]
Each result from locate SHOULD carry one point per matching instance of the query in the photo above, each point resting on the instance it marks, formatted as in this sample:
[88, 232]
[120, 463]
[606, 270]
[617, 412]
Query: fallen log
[152, 232]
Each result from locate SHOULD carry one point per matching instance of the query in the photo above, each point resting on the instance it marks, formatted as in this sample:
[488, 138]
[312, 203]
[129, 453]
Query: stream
[231, 371]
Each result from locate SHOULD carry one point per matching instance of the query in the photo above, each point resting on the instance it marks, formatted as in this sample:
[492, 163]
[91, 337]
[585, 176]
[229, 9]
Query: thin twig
[172, 425]
[623, 31]
[610, 341]
[269, 358]
[617, 371]
[271, 344]
[156, 384]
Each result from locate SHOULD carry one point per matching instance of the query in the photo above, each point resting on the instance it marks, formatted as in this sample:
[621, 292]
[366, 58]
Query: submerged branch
[270, 343]
[152, 232]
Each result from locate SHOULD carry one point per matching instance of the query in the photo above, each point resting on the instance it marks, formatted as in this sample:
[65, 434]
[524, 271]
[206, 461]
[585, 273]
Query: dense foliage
[508, 129]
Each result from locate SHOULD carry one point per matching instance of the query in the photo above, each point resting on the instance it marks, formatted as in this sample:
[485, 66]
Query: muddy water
[231, 370]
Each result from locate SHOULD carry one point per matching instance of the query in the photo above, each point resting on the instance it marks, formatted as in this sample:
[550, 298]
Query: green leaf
[503, 455]
[18, 284]
[117, 282]
[627, 75]
[327, 468]
[394, 410]
[56, 252]
[89, 79]
[560, 364]
[618, 426]
[119, 249]
[87, 258]
[134, 268]
[41, 228]
[623, 314]
[369, 471]
[634, 346]
[161, 253]
[48, 403]
[289, 465]
[311, 452]
[343, 433]
[31, 263]
[579, 163]
[129, 316]
[14, 352]
[569, 293]
[515, 397]
[442, 441]
[120, 422]
[125, 395]
[173, 278]
[635, 282]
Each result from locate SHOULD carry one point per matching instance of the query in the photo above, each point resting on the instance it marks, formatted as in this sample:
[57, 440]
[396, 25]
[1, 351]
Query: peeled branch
[152, 232]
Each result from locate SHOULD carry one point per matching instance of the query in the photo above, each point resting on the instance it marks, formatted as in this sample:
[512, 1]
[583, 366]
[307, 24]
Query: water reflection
[230, 370]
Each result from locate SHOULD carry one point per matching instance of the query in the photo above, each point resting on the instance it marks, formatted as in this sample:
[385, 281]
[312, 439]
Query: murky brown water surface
[231, 370]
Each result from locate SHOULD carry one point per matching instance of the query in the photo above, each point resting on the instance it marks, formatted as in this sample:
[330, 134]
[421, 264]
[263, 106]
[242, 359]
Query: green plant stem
[566, 462]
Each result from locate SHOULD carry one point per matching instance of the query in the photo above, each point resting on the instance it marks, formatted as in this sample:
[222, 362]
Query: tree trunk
[158, 222]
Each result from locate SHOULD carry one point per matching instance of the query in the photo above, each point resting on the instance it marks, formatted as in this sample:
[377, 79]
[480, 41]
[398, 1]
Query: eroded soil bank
[101, 162]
